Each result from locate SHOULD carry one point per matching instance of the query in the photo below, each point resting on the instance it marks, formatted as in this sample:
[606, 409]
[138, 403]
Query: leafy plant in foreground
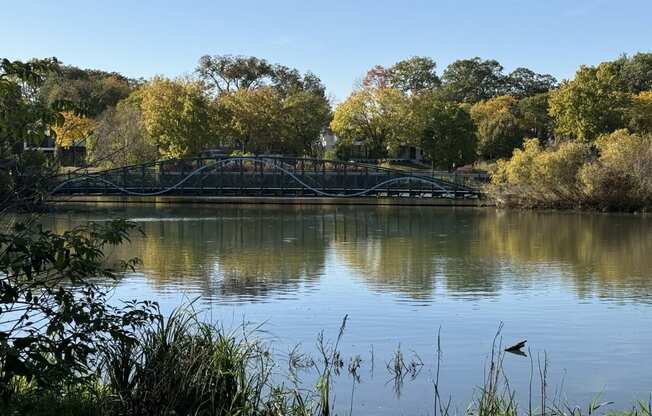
[53, 316]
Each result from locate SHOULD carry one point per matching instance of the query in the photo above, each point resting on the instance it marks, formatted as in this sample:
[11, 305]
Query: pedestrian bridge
[268, 177]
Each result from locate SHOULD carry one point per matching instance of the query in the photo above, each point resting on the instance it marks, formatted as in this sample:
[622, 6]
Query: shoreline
[269, 200]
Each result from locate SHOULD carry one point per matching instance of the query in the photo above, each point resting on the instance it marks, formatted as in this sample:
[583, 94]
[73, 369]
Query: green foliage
[499, 125]
[413, 75]
[177, 116]
[523, 82]
[305, 115]
[590, 104]
[251, 120]
[639, 115]
[473, 80]
[24, 120]
[378, 120]
[22, 117]
[265, 108]
[635, 72]
[93, 91]
[446, 132]
[534, 118]
[227, 73]
[53, 317]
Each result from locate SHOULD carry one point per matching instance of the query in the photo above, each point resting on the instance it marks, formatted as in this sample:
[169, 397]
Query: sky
[338, 40]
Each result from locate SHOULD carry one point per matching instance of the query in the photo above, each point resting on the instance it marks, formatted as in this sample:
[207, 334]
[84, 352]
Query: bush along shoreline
[612, 174]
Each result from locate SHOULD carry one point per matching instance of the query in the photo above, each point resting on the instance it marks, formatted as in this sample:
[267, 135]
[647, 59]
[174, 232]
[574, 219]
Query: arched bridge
[266, 176]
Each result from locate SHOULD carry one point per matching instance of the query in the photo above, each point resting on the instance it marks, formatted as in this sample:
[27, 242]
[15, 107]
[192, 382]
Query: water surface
[577, 286]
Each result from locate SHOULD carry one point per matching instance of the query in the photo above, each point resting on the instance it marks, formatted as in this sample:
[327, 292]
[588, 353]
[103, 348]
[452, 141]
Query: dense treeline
[473, 112]
[599, 151]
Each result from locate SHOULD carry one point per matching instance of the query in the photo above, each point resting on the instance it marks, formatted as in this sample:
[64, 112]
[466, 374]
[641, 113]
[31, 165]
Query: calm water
[576, 286]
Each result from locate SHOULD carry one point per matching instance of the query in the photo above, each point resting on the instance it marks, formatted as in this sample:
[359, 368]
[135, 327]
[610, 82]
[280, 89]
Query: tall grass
[183, 366]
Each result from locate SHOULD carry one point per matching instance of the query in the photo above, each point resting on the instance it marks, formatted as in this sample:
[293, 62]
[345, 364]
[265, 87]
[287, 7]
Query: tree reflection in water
[254, 251]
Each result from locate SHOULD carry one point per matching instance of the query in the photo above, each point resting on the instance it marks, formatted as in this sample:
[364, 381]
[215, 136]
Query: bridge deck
[265, 177]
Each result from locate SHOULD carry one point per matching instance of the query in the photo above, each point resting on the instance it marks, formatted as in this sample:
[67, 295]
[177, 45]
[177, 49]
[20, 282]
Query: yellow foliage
[73, 130]
[538, 176]
[379, 118]
[622, 175]
[640, 113]
[176, 116]
[498, 125]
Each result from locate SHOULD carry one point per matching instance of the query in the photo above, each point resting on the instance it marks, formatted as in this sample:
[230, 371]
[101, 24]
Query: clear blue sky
[337, 39]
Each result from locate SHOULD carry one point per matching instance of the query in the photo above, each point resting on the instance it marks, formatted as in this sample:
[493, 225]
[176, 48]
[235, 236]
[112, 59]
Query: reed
[183, 366]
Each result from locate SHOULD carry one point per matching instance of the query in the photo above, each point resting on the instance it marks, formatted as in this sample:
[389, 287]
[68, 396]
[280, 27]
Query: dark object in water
[516, 347]
[517, 352]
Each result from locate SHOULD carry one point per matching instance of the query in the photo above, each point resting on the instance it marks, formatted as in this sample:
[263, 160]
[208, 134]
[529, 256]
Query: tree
[305, 116]
[523, 82]
[473, 80]
[635, 73]
[252, 120]
[24, 121]
[227, 73]
[23, 117]
[176, 116]
[534, 117]
[262, 120]
[499, 127]
[377, 77]
[379, 120]
[590, 104]
[446, 132]
[92, 90]
[413, 75]
[640, 114]
[119, 138]
[74, 130]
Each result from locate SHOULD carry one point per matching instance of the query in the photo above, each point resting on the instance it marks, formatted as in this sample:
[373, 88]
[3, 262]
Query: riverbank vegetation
[474, 113]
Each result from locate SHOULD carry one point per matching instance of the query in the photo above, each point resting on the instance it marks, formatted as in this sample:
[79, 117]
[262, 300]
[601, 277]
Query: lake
[577, 286]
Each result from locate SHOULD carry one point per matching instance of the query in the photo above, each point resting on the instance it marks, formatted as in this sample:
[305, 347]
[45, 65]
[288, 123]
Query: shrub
[621, 177]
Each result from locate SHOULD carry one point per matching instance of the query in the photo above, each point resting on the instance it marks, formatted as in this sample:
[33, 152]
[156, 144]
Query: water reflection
[253, 251]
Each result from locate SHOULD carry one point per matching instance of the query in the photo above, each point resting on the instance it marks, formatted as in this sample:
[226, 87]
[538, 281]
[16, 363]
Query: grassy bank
[182, 366]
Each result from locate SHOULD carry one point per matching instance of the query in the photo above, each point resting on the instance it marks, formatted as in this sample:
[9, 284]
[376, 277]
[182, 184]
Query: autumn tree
[119, 138]
[251, 120]
[379, 120]
[266, 107]
[590, 104]
[499, 127]
[640, 114]
[445, 132]
[176, 116]
[74, 130]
